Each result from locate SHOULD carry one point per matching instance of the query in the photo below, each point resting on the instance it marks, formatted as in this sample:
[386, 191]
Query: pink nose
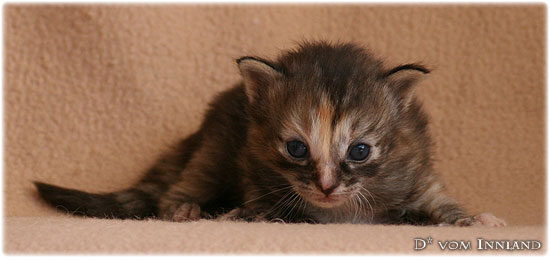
[327, 189]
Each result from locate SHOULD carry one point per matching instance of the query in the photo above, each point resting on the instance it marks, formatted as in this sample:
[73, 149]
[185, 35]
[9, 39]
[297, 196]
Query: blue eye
[359, 152]
[296, 149]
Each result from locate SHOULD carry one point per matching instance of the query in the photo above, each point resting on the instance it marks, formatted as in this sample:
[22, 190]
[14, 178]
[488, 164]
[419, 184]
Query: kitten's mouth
[329, 201]
[326, 199]
[323, 201]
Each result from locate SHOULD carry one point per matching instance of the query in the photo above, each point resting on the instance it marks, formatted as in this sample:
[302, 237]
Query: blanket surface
[93, 94]
[61, 234]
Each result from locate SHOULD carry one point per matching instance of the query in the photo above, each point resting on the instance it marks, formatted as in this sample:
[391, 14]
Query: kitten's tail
[138, 202]
[131, 203]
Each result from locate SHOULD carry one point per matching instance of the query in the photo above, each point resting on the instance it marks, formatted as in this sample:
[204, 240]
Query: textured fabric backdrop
[94, 94]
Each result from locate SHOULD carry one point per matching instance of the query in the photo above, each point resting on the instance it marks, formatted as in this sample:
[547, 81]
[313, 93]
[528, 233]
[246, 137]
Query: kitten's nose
[327, 189]
[327, 180]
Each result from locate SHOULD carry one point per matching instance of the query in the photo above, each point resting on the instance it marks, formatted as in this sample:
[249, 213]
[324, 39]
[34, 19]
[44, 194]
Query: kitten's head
[334, 123]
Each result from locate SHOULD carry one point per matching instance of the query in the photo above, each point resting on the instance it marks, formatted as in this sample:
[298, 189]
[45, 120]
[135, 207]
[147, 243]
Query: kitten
[325, 134]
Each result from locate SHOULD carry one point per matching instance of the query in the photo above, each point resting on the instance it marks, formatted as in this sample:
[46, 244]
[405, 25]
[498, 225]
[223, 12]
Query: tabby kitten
[325, 134]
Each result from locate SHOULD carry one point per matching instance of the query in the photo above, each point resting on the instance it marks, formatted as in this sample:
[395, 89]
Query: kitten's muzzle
[327, 201]
[327, 189]
[327, 197]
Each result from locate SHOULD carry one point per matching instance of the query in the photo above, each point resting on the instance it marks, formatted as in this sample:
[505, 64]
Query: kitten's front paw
[241, 214]
[484, 219]
[187, 212]
[464, 222]
[234, 214]
[488, 219]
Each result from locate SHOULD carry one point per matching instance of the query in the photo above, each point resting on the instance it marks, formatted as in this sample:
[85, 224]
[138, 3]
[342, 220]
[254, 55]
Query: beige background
[94, 94]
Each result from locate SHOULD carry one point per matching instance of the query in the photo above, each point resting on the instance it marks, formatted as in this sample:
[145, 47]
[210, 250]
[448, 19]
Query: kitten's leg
[443, 210]
[234, 214]
[182, 201]
[488, 219]
[242, 213]
[186, 211]
[195, 186]
[483, 219]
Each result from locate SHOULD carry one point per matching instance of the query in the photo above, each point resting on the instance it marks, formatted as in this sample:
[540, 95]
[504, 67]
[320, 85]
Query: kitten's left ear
[403, 79]
[257, 75]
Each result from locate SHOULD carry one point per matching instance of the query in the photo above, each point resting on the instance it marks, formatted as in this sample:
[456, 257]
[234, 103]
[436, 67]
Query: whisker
[356, 208]
[287, 205]
[293, 205]
[372, 196]
[349, 205]
[272, 192]
[278, 203]
[368, 192]
[304, 205]
[296, 206]
[361, 205]
[370, 206]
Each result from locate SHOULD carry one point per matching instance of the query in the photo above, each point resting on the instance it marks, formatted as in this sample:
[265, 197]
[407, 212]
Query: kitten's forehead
[327, 129]
[320, 128]
[332, 96]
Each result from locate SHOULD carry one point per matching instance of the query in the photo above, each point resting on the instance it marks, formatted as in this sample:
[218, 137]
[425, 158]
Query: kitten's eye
[359, 152]
[296, 149]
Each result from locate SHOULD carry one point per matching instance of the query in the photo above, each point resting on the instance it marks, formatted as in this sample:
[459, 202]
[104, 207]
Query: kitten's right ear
[403, 79]
[257, 75]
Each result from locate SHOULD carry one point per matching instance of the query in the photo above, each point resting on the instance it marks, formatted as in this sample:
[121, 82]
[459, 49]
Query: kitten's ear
[403, 79]
[257, 75]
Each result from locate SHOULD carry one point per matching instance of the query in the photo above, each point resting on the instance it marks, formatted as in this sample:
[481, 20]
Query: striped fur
[328, 96]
